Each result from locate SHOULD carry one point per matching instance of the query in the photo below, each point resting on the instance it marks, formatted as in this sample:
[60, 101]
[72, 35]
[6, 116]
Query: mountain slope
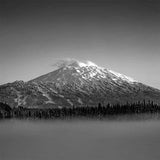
[77, 83]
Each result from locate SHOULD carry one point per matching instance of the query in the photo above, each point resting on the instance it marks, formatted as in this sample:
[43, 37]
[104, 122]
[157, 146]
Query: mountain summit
[79, 84]
[88, 71]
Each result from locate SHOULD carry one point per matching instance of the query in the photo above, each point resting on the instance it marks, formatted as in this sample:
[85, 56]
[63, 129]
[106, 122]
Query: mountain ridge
[77, 83]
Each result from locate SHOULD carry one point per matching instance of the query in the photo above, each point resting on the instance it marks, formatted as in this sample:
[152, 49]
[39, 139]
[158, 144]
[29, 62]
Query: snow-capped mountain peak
[89, 70]
[87, 64]
[76, 83]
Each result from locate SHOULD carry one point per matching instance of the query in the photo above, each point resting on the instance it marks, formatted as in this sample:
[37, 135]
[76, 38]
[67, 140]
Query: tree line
[99, 111]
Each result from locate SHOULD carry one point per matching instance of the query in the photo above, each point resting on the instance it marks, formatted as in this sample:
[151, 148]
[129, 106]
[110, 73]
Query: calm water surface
[79, 140]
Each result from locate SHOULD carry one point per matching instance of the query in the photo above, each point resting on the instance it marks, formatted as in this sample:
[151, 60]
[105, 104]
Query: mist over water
[79, 140]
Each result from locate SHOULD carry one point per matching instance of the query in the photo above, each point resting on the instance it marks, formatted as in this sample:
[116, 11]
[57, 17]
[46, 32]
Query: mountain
[79, 84]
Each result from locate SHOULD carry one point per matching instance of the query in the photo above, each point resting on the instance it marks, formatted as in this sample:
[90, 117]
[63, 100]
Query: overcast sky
[120, 35]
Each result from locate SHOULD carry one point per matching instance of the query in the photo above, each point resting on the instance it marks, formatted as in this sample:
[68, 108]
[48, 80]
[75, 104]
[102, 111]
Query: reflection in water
[79, 140]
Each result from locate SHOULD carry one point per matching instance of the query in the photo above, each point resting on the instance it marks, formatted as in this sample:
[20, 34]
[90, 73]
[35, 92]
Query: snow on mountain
[122, 76]
[89, 70]
[76, 83]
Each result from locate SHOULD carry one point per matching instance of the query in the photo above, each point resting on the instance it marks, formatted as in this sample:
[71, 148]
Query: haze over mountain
[74, 83]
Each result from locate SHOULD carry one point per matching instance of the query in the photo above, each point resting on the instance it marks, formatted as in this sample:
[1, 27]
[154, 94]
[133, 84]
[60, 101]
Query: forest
[98, 111]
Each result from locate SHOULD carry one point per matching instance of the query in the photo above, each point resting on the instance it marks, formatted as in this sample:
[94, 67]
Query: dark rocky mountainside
[79, 84]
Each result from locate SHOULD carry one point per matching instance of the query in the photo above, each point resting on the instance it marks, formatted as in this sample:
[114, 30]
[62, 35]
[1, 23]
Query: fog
[79, 140]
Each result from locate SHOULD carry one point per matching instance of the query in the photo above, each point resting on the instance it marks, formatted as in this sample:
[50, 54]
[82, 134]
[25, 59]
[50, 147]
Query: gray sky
[120, 35]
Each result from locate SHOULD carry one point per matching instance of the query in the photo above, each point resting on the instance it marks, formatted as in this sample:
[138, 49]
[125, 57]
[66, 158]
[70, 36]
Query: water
[79, 140]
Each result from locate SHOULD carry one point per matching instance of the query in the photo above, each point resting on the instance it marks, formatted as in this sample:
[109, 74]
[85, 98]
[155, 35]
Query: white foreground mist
[79, 140]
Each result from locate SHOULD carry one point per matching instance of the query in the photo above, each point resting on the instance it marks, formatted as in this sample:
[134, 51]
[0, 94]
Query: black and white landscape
[75, 83]
[66, 91]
